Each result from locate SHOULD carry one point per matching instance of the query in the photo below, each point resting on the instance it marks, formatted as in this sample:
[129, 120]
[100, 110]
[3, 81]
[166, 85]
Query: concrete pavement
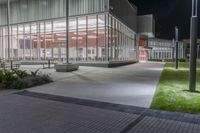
[129, 85]
[48, 109]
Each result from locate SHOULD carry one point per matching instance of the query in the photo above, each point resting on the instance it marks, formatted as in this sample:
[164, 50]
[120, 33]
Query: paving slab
[22, 114]
[129, 85]
[156, 125]
[30, 112]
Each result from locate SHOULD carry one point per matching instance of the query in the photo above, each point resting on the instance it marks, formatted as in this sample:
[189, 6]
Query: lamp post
[176, 36]
[193, 45]
[67, 31]
[173, 48]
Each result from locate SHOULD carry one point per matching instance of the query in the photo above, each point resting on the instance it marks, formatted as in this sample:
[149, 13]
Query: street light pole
[176, 36]
[67, 31]
[173, 48]
[193, 45]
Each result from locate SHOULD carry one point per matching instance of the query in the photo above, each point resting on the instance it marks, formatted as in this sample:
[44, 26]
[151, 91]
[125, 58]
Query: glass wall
[92, 38]
[163, 49]
[122, 46]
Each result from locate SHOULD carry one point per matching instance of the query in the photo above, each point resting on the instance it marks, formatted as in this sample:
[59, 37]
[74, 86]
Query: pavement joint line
[143, 112]
[84, 102]
[133, 124]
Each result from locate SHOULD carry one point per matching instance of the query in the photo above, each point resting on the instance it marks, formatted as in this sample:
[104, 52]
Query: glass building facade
[164, 49]
[36, 30]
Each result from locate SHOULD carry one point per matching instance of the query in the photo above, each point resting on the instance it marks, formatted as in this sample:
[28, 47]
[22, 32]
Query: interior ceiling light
[80, 33]
[77, 38]
[64, 35]
[92, 37]
[99, 32]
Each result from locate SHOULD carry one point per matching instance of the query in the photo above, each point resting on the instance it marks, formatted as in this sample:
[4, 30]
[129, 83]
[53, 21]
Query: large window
[82, 39]
[73, 35]
[121, 41]
[92, 38]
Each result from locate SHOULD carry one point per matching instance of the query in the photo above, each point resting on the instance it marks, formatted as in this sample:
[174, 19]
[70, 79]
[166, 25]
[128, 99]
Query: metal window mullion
[121, 42]
[8, 25]
[3, 49]
[77, 57]
[125, 37]
[31, 43]
[97, 37]
[111, 47]
[124, 48]
[126, 45]
[52, 38]
[115, 37]
[18, 47]
[86, 38]
[24, 41]
[118, 37]
[38, 40]
[11, 44]
[45, 47]
[107, 36]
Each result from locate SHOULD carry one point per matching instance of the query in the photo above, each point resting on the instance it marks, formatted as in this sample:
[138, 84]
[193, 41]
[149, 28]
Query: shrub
[8, 78]
[34, 74]
[168, 60]
[46, 78]
[156, 60]
[19, 84]
[18, 79]
[182, 60]
[20, 73]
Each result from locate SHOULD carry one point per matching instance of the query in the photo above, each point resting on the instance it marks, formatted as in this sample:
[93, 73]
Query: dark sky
[168, 14]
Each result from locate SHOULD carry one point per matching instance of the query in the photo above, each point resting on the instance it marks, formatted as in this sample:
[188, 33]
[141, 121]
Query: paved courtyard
[68, 106]
[28, 112]
[128, 85]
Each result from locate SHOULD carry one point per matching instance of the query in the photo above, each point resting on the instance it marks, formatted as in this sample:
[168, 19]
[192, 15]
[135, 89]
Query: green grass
[172, 92]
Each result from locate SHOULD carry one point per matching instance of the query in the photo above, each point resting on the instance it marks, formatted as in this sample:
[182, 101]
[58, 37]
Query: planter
[66, 67]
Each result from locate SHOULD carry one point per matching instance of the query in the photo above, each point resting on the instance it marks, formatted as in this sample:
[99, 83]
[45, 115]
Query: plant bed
[173, 90]
[18, 79]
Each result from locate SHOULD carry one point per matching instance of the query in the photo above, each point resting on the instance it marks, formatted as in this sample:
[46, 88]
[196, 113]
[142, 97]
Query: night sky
[168, 14]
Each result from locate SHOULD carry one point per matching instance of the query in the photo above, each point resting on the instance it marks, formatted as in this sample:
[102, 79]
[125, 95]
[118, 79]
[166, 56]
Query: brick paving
[28, 112]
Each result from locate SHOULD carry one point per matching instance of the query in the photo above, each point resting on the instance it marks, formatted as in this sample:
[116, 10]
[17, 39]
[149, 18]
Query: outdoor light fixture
[193, 45]
[176, 36]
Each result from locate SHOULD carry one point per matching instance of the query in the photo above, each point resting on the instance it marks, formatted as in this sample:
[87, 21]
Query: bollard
[49, 64]
[11, 64]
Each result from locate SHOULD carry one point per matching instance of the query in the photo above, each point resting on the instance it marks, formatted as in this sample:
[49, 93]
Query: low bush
[18, 79]
[167, 60]
[156, 60]
[182, 60]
